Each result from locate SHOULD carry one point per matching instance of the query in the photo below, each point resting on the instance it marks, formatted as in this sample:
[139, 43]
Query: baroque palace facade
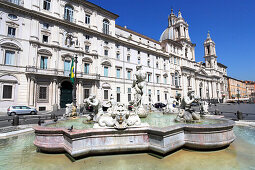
[38, 39]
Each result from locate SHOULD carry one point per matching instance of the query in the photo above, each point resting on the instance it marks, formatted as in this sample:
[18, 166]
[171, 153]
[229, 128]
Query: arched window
[69, 13]
[105, 26]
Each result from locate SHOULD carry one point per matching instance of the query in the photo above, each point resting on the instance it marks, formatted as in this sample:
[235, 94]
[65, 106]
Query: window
[149, 77]
[106, 26]
[117, 45]
[158, 95]
[87, 37]
[86, 68]
[118, 56]
[186, 52]
[157, 79]
[165, 96]
[45, 39]
[149, 92]
[43, 64]
[68, 13]
[67, 67]
[139, 61]
[11, 31]
[128, 74]
[128, 58]
[164, 66]
[105, 94]
[12, 16]
[118, 72]
[46, 5]
[148, 63]
[129, 97]
[129, 94]
[86, 48]
[157, 65]
[86, 93]
[128, 49]
[175, 61]
[14, 1]
[87, 19]
[138, 52]
[118, 94]
[148, 55]
[106, 52]
[43, 93]
[106, 71]
[7, 92]
[9, 57]
[176, 77]
[165, 80]
[46, 26]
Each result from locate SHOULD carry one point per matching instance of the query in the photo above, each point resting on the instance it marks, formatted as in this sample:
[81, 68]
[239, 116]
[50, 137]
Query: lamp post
[75, 82]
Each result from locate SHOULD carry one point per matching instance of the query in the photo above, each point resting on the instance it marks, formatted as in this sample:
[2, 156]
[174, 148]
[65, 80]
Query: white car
[20, 110]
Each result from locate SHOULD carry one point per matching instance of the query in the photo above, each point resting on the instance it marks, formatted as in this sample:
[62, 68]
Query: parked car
[159, 105]
[20, 110]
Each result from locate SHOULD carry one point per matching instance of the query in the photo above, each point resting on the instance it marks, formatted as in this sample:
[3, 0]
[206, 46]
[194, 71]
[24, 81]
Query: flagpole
[75, 82]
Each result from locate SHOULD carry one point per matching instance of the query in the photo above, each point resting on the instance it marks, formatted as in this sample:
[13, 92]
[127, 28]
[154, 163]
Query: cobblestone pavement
[229, 110]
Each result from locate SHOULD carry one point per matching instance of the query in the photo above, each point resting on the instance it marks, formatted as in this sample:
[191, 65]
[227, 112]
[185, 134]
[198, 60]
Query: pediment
[202, 72]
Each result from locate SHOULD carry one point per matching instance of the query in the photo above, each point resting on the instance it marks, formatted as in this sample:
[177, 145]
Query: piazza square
[81, 89]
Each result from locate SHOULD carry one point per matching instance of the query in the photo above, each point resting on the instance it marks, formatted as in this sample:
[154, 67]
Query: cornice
[36, 14]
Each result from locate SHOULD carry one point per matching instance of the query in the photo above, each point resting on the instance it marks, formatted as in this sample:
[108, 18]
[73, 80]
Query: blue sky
[231, 24]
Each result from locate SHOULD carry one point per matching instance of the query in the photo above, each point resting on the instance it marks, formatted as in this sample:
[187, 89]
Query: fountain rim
[227, 124]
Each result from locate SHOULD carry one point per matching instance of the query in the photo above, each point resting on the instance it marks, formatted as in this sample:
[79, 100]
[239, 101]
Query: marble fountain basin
[92, 141]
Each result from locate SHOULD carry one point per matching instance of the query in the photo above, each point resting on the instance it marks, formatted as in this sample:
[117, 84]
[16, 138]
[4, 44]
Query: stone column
[28, 90]
[54, 94]
[80, 101]
[31, 91]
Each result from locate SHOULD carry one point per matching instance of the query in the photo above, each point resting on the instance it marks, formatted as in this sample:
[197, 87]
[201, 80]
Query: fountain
[119, 130]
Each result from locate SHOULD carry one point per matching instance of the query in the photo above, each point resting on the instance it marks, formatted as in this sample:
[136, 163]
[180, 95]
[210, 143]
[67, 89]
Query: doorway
[66, 94]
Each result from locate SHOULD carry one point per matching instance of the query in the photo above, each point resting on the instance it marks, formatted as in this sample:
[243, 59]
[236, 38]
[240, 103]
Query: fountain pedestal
[110, 140]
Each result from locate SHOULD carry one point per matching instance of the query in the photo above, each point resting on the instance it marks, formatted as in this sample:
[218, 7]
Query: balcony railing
[17, 2]
[58, 72]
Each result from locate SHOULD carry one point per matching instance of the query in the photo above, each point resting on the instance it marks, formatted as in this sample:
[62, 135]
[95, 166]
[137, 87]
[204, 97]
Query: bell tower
[210, 53]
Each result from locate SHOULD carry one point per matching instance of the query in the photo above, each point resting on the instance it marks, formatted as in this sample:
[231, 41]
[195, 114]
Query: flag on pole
[72, 72]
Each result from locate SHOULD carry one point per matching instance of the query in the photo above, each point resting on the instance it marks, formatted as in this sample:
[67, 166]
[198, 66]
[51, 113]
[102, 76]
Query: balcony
[58, 72]
[16, 2]
[69, 19]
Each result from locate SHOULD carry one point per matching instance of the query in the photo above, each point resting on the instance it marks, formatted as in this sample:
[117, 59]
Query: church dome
[167, 34]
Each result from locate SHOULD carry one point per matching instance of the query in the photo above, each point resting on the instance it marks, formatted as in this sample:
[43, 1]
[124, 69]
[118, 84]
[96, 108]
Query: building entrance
[66, 93]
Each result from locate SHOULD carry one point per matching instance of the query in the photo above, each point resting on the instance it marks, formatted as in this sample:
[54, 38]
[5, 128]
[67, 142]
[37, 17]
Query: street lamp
[75, 82]
[74, 113]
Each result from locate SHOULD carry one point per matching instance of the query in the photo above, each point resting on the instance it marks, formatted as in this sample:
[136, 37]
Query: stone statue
[69, 109]
[139, 85]
[170, 106]
[118, 117]
[91, 101]
[204, 108]
[186, 113]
